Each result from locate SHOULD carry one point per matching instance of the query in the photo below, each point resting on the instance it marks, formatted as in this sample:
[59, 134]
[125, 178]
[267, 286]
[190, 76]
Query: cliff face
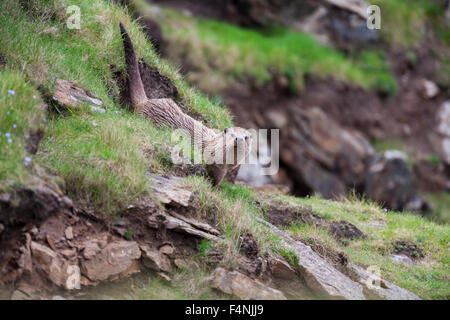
[89, 192]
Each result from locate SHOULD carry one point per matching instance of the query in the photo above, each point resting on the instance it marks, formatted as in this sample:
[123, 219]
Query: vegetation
[222, 52]
[104, 157]
[21, 111]
[428, 278]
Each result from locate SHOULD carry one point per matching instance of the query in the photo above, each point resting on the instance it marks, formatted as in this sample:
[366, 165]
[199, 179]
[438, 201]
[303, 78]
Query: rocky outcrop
[170, 190]
[328, 20]
[375, 287]
[58, 270]
[117, 259]
[69, 95]
[320, 276]
[239, 285]
[324, 157]
[390, 183]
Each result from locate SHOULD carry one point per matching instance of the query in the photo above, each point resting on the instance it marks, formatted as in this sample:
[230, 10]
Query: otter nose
[239, 140]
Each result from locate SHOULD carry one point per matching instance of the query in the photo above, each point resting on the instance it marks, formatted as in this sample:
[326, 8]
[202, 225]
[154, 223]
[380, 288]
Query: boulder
[239, 285]
[280, 269]
[323, 156]
[389, 182]
[57, 269]
[375, 287]
[155, 259]
[170, 190]
[320, 276]
[117, 259]
[69, 95]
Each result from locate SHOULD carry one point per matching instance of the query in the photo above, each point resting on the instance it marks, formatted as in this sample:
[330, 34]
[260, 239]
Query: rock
[389, 182]
[320, 276]
[399, 258]
[378, 288]
[69, 233]
[430, 89]
[281, 269]
[68, 253]
[432, 176]
[19, 295]
[117, 259]
[161, 220]
[70, 95]
[58, 298]
[58, 270]
[170, 190]
[196, 224]
[164, 276]
[167, 249]
[323, 156]
[154, 259]
[90, 249]
[239, 285]
[442, 137]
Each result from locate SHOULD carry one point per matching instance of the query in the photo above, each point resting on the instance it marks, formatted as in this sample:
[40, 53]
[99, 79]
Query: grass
[22, 113]
[428, 278]
[100, 155]
[220, 53]
[103, 158]
[441, 205]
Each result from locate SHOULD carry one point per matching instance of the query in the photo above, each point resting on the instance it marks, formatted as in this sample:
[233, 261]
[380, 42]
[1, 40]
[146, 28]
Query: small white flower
[14, 126]
[95, 124]
[8, 135]
[34, 97]
[385, 210]
[9, 140]
[11, 92]
[8, 113]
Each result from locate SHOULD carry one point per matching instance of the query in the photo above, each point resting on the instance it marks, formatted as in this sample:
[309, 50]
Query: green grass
[22, 113]
[441, 205]
[402, 21]
[101, 156]
[428, 278]
[219, 53]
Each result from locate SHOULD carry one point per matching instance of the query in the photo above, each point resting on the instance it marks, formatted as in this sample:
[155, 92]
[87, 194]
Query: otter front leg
[216, 172]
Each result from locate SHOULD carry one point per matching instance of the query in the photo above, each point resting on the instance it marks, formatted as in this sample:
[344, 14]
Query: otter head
[237, 144]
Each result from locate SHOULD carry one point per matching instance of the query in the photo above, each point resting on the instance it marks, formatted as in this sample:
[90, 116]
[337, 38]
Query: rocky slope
[89, 195]
[397, 103]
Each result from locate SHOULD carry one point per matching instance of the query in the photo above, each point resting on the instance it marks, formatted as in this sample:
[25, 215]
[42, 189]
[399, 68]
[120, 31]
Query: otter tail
[137, 92]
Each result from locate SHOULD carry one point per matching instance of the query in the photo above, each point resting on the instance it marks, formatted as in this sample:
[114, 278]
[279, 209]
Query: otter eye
[246, 138]
[225, 131]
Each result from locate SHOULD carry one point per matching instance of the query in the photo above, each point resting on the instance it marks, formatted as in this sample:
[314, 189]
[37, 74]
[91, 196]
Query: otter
[222, 151]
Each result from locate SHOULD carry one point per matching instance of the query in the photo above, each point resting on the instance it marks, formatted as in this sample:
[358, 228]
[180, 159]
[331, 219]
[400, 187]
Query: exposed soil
[345, 230]
[283, 215]
[249, 245]
[408, 249]
[156, 85]
[408, 117]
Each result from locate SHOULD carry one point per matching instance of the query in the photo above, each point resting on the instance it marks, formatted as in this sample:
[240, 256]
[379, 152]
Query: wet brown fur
[166, 112]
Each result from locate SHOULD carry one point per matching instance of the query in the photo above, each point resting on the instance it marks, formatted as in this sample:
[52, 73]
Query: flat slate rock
[169, 190]
[320, 276]
[380, 288]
